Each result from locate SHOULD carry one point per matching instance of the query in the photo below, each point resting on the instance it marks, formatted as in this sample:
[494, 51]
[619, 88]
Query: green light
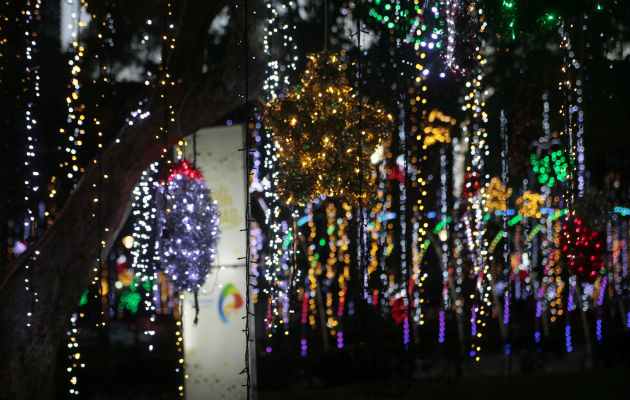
[147, 285]
[389, 249]
[496, 240]
[533, 233]
[322, 242]
[442, 224]
[425, 247]
[287, 240]
[130, 301]
[84, 298]
[515, 220]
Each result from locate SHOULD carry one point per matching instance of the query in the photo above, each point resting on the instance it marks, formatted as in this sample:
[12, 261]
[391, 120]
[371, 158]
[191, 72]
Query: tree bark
[63, 267]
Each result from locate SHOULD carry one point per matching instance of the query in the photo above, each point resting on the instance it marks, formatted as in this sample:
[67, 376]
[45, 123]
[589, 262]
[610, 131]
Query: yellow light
[128, 241]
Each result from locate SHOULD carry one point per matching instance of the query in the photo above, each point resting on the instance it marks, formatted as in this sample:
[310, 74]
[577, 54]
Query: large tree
[65, 254]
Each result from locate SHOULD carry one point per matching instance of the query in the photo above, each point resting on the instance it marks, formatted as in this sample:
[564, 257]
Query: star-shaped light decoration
[325, 136]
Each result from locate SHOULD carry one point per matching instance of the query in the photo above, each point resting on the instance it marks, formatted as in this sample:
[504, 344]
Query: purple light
[268, 349]
[602, 291]
[304, 347]
[567, 338]
[506, 309]
[442, 331]
[473, 320]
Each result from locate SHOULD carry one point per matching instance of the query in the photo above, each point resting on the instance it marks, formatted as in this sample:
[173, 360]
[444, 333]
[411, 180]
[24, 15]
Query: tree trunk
[63, 267]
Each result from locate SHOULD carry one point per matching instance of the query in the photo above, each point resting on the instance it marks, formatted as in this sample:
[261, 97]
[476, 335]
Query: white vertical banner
[214, 349]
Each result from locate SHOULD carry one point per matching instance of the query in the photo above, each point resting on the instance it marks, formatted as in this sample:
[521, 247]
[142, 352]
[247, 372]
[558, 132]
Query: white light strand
[451, 8]
[74, 130]
[144, 250]
[74, 356]
[277, 271]
[31, 97]
[571, 87]
[475, 224]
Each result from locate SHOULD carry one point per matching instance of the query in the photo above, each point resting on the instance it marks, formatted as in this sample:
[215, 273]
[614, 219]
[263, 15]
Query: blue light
[386, 216]
[304, 220]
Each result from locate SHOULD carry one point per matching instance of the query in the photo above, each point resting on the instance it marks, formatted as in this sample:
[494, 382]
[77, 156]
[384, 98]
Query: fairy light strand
[74, 129]
[276, 30]
[475, 223]
[31, 15]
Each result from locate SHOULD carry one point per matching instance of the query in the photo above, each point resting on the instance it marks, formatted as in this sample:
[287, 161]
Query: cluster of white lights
[277, 269]
[144, 250]
[451, 8]
[189, 224]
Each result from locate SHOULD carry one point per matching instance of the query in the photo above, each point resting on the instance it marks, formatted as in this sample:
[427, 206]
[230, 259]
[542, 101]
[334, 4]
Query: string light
[144, 233]
[452, 9]
[275, 271]
[30, 95]
[74, 355]
[475, 223]
[571, 87]
[418, 25]
[74, 129]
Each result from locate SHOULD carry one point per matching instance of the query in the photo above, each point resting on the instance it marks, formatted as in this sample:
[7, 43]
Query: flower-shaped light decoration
[551, 168]
[325, 136]
[529, 204]
[497, 195]
[189, 226]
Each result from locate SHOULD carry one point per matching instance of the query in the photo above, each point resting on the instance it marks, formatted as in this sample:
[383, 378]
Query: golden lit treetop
[325, 135]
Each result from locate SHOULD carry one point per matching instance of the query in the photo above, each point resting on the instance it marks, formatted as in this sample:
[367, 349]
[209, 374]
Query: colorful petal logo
[225, 307]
